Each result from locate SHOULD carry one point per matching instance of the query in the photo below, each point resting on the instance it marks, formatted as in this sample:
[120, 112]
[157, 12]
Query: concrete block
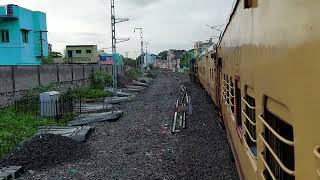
[138, 83]
[93, 107]
[85, 119]
[131, 90]
[12, 172]
[79, 134]
[135, 87]
[119, 92]
[117, 100]
[26, 77]
[6, 83]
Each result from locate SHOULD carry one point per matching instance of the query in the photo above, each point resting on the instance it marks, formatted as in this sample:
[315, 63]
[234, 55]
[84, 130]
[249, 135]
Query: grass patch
[134, 73]
[87, 93]
[15, 128]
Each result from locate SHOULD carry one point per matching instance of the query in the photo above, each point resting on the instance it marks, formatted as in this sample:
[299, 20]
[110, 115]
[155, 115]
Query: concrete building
[149, 60]
[20, 36]
[199, 47]
[174, 57]
[105, 58]
[82, 54]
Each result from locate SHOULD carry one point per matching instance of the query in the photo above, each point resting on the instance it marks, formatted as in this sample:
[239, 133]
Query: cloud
[141, 3]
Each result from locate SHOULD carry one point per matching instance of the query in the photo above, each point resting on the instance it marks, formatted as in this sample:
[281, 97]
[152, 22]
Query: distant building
[174, 57]
[20, 36]
[105, 58]
[162, 64]
[81, 54]
[200, 47]
[149, 60]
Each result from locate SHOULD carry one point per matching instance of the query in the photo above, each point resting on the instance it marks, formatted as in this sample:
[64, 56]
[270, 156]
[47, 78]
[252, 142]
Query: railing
[275, 156]
[316, 152]
[51, 109]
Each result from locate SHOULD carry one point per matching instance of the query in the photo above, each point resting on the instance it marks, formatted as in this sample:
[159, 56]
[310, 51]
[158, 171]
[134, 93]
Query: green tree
[163, 55]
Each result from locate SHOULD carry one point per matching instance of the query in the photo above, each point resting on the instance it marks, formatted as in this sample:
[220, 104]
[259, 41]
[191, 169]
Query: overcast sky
[167, 24]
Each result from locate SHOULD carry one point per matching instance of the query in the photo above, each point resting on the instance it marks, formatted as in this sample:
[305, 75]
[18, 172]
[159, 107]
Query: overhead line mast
[114, 21]
[141, 37]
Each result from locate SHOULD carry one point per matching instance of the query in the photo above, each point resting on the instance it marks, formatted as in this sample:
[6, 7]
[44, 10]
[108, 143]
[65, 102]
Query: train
[263, 77]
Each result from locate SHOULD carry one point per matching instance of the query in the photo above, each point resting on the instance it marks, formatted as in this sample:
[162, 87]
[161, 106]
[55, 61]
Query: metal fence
[64, 108]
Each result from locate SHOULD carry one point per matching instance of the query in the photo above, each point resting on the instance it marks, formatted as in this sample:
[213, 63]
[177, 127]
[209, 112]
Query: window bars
[249, 126]
[278, 157]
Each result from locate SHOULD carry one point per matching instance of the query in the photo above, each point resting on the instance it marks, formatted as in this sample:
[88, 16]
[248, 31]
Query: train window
[278, 139]
[238, 104]
[250, 4]
[231, 95]
[250, 124]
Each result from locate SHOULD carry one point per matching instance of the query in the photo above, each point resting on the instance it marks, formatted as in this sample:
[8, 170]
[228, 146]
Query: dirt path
[140, 145]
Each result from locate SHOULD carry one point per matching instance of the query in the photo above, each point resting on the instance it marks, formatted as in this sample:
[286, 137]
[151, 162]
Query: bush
[134, 74]
[86, 92]
[101, 79]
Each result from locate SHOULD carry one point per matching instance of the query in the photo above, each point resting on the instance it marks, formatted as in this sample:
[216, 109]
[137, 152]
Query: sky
[167, 24]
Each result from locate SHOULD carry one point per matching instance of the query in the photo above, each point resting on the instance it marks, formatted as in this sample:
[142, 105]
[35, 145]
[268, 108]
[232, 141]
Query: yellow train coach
[264, 77]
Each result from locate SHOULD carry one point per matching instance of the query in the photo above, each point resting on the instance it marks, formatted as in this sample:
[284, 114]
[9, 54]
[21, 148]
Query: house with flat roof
[23, 37]
[106, 58]
[82, 54]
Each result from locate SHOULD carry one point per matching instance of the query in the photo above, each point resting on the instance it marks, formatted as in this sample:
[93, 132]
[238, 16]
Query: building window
[88, 51]
[278, 150]
[4, 36]
[24, 36]
[250, 125]
[250, 4]
[78, 51]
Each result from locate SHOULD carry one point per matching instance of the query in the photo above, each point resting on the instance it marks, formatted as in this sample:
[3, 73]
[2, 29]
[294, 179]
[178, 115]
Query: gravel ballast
[140, 145]
[45, 151]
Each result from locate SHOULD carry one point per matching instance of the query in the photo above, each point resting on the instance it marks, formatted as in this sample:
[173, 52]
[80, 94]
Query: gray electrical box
[49, 104]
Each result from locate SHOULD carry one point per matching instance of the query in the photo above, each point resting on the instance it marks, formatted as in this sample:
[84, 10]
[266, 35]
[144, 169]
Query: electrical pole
[114, 21]
[146, 55]
[141, 37]
[41, 44]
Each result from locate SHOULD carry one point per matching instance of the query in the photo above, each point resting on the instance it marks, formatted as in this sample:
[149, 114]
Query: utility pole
[146, 55]
[41, 43]
[141, 38]
[114, 21]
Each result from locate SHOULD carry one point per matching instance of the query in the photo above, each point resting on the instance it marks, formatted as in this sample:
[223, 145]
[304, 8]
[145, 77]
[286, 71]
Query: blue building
[149, 60]
[106, 58]
[21, 39]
